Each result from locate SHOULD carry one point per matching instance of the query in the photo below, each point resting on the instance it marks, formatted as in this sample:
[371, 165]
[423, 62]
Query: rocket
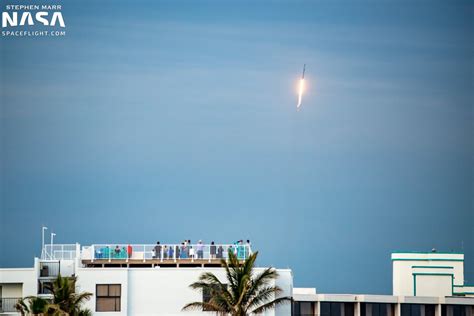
[301, 89]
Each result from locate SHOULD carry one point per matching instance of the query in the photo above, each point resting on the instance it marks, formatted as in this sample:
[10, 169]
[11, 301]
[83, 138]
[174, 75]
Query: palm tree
[31, 305]
[246, 292]
[65, 299]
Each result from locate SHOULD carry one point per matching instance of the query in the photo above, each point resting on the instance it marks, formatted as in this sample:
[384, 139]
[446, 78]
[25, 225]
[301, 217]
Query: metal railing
[165, 252]
[59, 252]
[7, 305]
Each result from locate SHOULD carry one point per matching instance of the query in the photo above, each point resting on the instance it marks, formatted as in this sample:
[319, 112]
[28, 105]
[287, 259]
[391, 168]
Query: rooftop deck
[147, 255]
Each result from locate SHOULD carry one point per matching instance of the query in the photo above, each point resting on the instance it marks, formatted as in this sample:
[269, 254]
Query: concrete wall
[67, 267]
[285, 282]
[13, 279]
[88, 278]
[433, 285]
[148, 291]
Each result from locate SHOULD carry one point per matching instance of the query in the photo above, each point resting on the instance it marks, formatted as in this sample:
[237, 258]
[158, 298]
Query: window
[337, 309]
[44, 287]
[303, 308]
[377, 309]
[457, 310]
[108, 297]
[418, 310]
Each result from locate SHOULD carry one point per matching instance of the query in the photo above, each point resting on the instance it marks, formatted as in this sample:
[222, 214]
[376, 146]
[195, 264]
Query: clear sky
[176, 120]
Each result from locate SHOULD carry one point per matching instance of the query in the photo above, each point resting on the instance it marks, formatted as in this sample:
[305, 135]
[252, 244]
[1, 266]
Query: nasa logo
[43, 17]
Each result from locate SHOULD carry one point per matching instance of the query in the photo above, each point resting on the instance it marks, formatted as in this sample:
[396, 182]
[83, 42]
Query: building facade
[129, 279]
[424, 284]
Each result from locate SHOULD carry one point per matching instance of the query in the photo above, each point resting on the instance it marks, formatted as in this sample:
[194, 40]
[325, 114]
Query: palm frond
[80, 298]
[230, 273]
[210, 278]
[84, 312]
[261, 280]
[263, 295]
[271, 305]
[202, 306]
[22, 307]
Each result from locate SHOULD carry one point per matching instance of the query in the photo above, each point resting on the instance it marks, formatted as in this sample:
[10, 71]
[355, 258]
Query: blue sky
[172, 120]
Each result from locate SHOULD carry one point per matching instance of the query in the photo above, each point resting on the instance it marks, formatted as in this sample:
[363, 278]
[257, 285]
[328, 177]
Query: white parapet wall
[304, 294]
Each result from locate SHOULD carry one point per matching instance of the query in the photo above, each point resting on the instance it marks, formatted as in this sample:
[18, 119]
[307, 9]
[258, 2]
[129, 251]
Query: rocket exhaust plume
[301, 90]
[300, 94]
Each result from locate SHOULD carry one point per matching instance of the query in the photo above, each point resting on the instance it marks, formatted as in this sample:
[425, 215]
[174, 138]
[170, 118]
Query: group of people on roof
[186, 250]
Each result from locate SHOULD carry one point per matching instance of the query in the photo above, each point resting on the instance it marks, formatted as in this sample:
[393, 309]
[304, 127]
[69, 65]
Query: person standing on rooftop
[200, 250]
[184, 251]
[129, 251]
[178, 251]
[191, 252]
[212, 250]
[220, 252]
[158, 250]
[165, 252]
[171, 252]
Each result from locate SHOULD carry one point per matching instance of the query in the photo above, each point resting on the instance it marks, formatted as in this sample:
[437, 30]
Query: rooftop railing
[164, 252]
[59, 252]
[144, 252]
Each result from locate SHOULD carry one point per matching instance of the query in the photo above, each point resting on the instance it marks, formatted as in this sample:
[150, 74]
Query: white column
[43, 255]
[52, 242]
[357, 309]
[398, 309]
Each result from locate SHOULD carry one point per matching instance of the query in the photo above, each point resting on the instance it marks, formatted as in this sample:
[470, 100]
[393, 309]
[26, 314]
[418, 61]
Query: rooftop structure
[429, 274]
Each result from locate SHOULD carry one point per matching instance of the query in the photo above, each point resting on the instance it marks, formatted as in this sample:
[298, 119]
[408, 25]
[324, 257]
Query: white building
[424, 284]
[144, 281]
[148, 282]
